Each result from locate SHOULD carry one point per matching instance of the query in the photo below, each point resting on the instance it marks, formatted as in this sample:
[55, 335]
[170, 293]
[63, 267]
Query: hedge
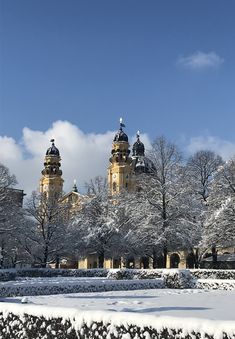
[12, 274]
[44, 288]
[23, 322]
[213, 274]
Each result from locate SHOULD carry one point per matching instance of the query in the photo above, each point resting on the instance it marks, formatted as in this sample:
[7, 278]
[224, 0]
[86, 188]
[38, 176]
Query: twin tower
[122, 170]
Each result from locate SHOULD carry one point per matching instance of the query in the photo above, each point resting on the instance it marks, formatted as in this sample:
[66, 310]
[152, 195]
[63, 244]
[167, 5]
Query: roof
[222, 257]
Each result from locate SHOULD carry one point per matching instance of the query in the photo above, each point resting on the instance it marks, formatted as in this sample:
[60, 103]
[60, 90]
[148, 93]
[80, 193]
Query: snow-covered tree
[129, 240]
[45, 229]
[94, 224]
[219, 229]
[10, 217]
[201, 168]
[8, 205]
[168, 203]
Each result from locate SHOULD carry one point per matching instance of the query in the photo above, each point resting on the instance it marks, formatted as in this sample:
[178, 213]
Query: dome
[53, 150]
[120, 136]
[143, 165]
[138, 148]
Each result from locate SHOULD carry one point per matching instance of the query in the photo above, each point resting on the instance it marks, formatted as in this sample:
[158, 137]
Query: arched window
[114, 187]
[174, 260]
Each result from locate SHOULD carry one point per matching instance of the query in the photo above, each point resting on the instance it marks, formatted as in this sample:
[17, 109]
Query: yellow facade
[120, 171]
[51, 182]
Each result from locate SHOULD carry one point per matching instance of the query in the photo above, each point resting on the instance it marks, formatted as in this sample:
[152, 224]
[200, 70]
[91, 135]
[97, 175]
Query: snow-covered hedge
[51, 272]
[173, 278]
[215, 284]
[213, 274]
[178, 279]
[134, 273]
[6, 275]
[31, 321]
[10, 289]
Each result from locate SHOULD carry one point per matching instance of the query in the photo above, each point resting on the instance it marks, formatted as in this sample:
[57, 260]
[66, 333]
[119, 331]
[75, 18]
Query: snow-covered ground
[215, 305]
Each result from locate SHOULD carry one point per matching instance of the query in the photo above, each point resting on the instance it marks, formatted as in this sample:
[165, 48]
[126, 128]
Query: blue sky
[91, 61]
[167, 67]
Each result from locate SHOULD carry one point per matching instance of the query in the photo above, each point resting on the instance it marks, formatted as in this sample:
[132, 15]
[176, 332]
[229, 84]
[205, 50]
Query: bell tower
[120, 172]
[51, 181]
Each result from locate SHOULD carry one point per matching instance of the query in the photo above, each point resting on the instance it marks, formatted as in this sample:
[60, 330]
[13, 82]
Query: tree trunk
[57, 261]
[164, 215]
[197, 259]
[154, 258]
[165, 251]
[214, 257]
[45, 258]
[101, 260]
[145, 261]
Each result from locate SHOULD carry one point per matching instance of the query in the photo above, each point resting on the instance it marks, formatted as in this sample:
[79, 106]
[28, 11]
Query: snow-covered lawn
[217, 305]
[144, 313]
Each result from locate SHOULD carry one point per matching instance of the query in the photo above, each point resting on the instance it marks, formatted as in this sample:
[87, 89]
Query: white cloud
[83, 155]
[200, 60]
[222, 147]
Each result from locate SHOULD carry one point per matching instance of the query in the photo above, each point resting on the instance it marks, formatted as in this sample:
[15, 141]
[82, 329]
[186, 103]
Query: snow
[190, 310]
[208, 312]
[213, 305]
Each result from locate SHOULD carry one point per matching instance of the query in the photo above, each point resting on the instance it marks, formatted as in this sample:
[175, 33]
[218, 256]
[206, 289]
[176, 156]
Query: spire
[138, 135]
[121, 124]
[75, 189]
[138, 147]
[120, 135]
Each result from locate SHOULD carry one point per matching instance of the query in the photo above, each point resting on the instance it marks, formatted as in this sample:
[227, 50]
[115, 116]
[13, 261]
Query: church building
[123, 170]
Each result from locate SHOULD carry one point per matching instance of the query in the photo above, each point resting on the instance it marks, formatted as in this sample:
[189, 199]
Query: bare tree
[202, 166]
[46, 228]
[219, 229]
[169, 209]
[10, 216]
[8, 206]
[94, 223]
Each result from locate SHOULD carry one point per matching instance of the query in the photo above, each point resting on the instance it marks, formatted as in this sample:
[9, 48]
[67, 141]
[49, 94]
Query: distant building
[17, 196]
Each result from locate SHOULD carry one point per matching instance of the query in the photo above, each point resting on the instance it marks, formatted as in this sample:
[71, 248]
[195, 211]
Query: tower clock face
[114, 176]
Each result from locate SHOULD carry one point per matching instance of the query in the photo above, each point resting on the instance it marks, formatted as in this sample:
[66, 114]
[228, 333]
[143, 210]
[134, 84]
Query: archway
[116, 263]
[190, 260]
[130, 263]
[144, 262]
[174, 260]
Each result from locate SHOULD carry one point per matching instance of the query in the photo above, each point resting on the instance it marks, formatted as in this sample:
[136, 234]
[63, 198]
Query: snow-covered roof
[222, 257]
